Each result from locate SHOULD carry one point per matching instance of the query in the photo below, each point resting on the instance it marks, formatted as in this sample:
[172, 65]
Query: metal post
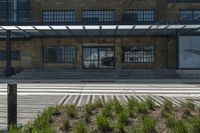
[12, 105]
[8, 69]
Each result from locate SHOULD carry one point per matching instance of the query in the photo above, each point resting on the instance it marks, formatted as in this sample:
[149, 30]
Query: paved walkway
[33, 98]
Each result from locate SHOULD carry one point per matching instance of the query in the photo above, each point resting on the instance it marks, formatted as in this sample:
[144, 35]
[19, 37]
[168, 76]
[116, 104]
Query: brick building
[99, 34]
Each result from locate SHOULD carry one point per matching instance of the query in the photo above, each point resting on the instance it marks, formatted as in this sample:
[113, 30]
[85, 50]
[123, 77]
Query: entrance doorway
[98, 58]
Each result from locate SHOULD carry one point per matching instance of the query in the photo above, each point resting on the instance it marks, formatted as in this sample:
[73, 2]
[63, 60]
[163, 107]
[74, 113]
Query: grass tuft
[71, 111]
[142, 108]
[150, 104]
[80, 128]
[89, 108]
[98, 104]
[66, 124]
[170, 121]
[132, 103]
[188, 105]
[149, 125]
[103, 123]
[123, 117]
[195, 123]
[180, 127]
[168, 106]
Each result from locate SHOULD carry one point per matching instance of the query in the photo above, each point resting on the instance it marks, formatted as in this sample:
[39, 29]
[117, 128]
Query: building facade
[96, 34]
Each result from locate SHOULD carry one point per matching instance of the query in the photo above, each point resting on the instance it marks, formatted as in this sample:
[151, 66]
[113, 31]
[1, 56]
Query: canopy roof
[48, 30]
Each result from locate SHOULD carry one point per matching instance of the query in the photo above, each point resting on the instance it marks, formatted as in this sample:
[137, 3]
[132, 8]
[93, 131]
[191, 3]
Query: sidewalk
[134, 81]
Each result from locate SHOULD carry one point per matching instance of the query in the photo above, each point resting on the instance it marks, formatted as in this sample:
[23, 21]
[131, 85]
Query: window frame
[138, 10]
[193, 14]
[62, 12]
[153, 56]
[46, 61]
[14, 59]
[99, 10]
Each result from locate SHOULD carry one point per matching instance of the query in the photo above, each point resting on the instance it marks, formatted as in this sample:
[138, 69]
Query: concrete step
[87, 74]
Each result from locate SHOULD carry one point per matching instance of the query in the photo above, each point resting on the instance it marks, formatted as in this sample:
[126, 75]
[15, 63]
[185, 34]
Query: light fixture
[109, 27]
[192, 26]
[92, 27]
[142, 27]
[59, 27]
[9, 27]
[75, 27]
[26, 27]
[42, 27]
[175, 26]
[125, 27]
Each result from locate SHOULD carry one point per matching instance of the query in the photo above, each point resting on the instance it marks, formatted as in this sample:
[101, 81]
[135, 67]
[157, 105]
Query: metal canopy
[98, 30]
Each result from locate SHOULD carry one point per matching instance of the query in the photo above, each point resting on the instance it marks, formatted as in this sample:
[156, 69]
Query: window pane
[138, 54]
[186, 15]
[98, 15]
[65, 54]
[59, 16]
[140, 15]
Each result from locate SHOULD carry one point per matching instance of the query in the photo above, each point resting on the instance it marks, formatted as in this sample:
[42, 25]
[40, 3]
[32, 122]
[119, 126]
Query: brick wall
[32, 51]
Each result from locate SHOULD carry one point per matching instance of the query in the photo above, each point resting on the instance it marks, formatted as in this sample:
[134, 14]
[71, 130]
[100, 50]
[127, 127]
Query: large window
[15, 55]
[65, 54]
[139, 54]
[141, 14]
[14, 11]
[98, 15]
[189, 15]
[59, 16]
[98, 58]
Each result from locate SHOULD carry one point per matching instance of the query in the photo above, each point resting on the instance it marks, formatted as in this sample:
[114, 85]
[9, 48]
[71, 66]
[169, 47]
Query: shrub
[142, 108]
[149, 125]
[170, 121]
[150, 104]
[66, 124]
[71, 110]
[98, 104]
[103, 123]
[80, 128]
[89, 108]
[180, 127]
[167, 106]
[123, 117]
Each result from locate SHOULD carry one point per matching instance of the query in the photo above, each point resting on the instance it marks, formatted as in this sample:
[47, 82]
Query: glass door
[98, 58]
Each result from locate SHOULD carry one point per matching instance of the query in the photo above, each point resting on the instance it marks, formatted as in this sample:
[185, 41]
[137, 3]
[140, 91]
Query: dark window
[15, 55]
[138, 54]
[141, 14]
[59, 16]
[98, 15]
[65, 54]
[189, 15]
[8, 11]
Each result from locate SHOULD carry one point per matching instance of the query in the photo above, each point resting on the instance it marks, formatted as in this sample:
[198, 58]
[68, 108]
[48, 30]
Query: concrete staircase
[97, 74]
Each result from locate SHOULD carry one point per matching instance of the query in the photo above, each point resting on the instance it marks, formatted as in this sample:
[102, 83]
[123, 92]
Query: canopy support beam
[9, 71]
